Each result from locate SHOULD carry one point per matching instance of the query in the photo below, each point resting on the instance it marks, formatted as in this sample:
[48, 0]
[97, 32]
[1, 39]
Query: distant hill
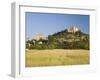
[70, 40]
[63, 40]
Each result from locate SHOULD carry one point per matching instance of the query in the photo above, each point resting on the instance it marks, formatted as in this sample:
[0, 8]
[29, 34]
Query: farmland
[56, 57]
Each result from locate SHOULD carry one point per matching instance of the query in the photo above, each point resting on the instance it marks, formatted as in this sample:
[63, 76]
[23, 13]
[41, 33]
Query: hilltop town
[66, 39]
[40, 36]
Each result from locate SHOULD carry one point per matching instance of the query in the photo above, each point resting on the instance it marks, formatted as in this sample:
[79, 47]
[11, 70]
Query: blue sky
[49, 23]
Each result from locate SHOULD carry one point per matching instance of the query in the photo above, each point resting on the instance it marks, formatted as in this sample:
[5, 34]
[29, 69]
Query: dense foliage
[61, 40]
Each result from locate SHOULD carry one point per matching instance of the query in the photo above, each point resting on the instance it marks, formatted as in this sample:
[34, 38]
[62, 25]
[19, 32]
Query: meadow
[56, 57]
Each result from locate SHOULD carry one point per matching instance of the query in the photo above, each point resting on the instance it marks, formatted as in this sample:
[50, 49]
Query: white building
[39, 36]
[73, 29]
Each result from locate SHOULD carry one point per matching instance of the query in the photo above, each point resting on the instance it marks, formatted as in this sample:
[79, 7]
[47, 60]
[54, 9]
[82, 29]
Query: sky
[50, 23]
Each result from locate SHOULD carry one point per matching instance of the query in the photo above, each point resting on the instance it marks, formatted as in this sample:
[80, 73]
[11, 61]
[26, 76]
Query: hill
[61, 40]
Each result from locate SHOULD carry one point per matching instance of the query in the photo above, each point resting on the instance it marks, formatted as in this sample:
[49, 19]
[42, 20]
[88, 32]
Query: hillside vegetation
[61, 40]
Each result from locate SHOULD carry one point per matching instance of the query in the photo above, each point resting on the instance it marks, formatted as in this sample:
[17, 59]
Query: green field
[56, 57]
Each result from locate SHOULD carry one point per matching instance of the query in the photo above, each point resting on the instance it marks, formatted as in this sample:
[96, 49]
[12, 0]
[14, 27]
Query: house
[73, 30]
[39, 36]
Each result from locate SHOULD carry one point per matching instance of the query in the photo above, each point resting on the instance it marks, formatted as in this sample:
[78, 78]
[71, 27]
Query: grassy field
[56, 57]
